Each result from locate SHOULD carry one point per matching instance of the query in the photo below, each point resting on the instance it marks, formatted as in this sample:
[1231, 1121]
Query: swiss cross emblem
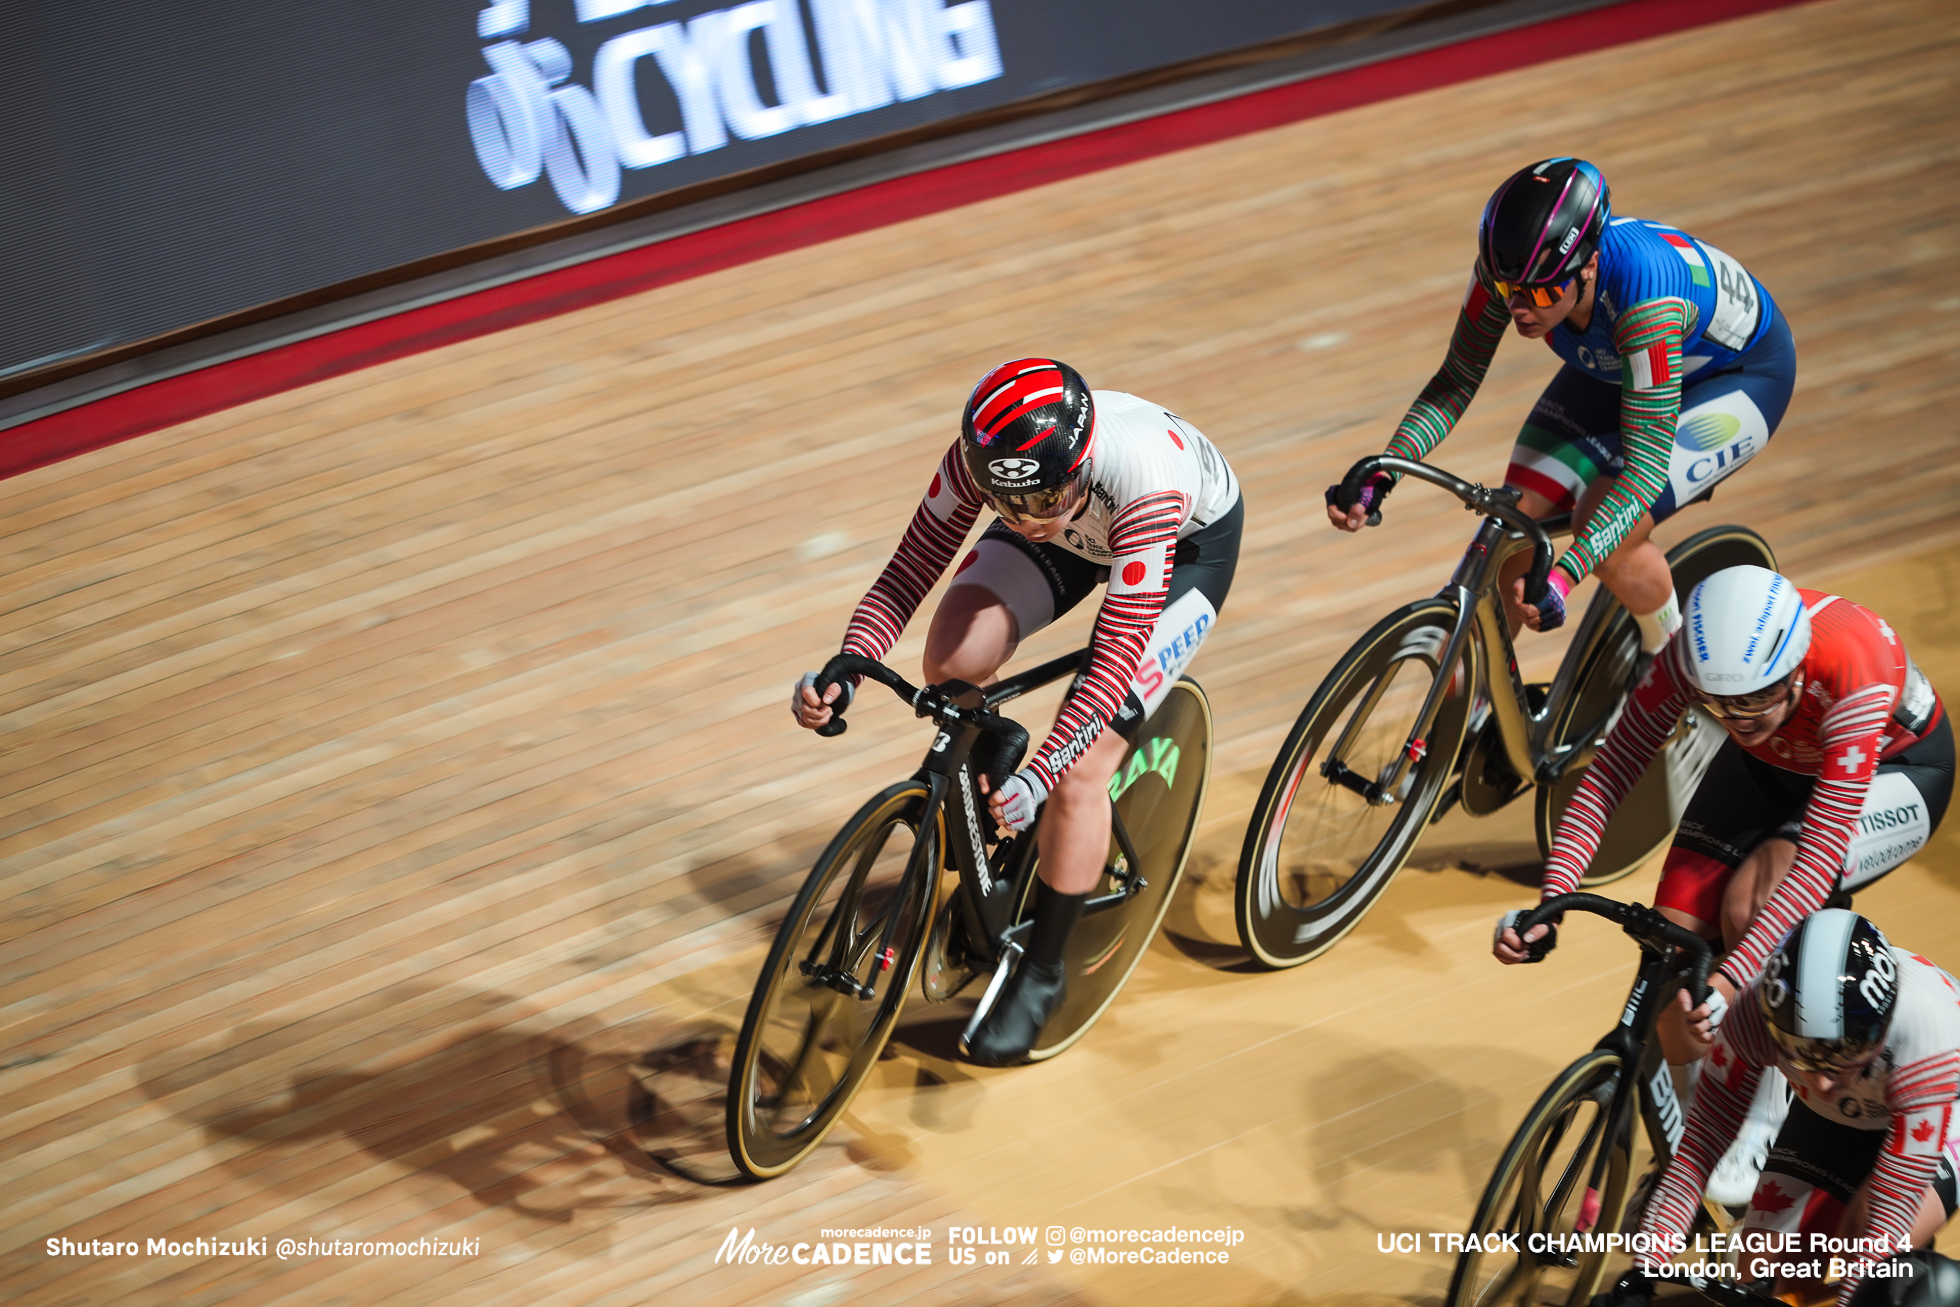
[1853, 759]
[1886, 631]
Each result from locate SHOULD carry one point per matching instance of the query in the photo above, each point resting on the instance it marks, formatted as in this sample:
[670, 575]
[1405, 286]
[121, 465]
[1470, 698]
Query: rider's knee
[971, 635]
[1080, 791]
[958, 664]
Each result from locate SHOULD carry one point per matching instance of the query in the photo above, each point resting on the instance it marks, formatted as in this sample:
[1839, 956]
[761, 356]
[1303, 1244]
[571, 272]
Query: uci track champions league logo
[755, 70]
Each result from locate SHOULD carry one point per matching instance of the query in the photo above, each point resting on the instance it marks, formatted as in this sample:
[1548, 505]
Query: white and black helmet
[1829, 990]
[1745, 630]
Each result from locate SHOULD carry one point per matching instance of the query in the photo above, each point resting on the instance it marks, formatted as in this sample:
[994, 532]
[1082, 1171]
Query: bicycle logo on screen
[749, 71]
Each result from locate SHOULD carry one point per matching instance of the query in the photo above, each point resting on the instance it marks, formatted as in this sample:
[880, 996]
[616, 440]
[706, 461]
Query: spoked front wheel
[1159, 792]
[1542, 1192]
[836, 977]
[1318, 853]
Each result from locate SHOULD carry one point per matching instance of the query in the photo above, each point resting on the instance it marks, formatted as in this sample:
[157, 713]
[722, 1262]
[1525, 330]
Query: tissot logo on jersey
[1887, 818]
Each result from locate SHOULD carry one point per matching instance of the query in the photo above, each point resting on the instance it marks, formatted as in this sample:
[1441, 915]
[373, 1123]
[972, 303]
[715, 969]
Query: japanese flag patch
[941, 502]
[1138, 573]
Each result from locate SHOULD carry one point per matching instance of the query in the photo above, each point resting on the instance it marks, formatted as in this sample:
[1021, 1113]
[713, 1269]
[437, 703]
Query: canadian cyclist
[1676, 369]
[1089, 488]
[1838, 767]
[1868, 1034]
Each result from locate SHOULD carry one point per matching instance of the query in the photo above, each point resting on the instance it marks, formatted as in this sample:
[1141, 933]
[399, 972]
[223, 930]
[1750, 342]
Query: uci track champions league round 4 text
[750, 71]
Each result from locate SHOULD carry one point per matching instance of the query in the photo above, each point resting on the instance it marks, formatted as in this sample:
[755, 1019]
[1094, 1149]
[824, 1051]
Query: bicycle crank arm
[1008, 956]
[1115, 899]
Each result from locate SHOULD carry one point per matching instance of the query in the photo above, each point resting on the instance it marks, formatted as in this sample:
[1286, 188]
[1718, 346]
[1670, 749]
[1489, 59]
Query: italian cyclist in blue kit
[1676, 367]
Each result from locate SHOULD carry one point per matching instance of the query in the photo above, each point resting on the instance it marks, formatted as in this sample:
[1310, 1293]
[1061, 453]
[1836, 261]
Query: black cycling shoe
[1031, 996]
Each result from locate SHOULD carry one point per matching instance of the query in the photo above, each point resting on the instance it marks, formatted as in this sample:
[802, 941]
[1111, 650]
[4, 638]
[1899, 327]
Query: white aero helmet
[1745, 630]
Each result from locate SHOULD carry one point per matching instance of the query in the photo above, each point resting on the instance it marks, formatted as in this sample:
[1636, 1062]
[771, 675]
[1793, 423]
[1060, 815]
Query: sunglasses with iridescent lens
[1543, 296]
[1038, 505]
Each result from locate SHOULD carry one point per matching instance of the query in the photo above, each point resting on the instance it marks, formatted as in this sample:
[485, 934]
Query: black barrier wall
[176, 163]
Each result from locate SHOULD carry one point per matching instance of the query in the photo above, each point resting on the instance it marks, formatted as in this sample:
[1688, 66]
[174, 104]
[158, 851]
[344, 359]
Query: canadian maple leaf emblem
[1719, 1055]
[1923, 1131]
[1771, 1199]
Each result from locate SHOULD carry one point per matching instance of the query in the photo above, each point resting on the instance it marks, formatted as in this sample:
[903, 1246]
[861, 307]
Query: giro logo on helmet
[1014, 469]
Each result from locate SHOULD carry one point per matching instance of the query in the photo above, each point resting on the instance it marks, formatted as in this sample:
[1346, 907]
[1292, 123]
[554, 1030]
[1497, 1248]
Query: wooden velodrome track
[398, 791]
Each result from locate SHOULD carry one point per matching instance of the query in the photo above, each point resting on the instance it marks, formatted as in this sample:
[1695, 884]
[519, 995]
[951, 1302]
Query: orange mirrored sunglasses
[1543, 296]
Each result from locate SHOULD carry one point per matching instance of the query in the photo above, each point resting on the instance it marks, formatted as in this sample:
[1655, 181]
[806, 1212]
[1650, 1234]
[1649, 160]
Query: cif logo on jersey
[1013, 469]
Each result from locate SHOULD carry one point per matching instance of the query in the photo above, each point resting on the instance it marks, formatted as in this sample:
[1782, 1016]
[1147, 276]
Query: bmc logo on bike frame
[528, 117]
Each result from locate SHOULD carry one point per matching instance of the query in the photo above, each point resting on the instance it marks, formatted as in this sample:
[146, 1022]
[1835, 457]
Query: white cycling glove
[1021, 795]
[1718, 1007]
[808, 681]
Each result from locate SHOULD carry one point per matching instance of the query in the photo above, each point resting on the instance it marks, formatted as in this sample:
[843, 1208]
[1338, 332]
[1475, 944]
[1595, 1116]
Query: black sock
[1055, 915]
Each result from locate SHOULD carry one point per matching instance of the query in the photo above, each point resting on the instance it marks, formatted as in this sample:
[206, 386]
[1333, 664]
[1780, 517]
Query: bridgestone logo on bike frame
[973, 831]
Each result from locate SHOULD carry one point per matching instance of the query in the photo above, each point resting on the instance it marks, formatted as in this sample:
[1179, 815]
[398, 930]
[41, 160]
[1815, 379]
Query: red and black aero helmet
[1544, 222]
[1025, 435]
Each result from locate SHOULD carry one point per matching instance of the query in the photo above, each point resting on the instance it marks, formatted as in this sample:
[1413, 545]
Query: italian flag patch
[1697, 266]
[1648, 369]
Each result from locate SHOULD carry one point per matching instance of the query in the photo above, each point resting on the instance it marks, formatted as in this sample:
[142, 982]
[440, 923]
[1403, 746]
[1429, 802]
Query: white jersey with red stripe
[1154, 478]
[1908, 1090]
[1141, 452]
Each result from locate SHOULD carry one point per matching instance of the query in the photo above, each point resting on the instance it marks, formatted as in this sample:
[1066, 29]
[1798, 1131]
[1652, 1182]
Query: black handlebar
[844, 665]
[1501, 503]
[1639, 921]
[929, 701]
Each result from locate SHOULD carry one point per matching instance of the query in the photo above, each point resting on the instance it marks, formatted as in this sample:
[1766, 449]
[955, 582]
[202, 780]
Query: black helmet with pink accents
[1543, 223]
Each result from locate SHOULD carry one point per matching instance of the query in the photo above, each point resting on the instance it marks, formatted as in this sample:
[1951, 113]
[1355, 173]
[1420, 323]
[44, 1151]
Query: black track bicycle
[1569, 1168]
[916, 888]
[1427, 712]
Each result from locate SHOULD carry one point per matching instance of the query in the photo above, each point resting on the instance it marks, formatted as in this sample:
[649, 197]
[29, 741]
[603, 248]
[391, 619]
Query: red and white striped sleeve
[1142, 539]
[1921, 1096]
[1848, 737]
[1735, 1063]
[1657, 704]
[945, 515]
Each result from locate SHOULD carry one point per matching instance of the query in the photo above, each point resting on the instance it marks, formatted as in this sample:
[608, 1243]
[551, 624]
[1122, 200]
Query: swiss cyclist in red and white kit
[1089, 488]
[1677, 368]
[1868, 1034]
[1838, 767]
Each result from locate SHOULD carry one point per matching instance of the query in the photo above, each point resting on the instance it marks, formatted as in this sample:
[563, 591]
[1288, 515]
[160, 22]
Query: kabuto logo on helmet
[1014, 469]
